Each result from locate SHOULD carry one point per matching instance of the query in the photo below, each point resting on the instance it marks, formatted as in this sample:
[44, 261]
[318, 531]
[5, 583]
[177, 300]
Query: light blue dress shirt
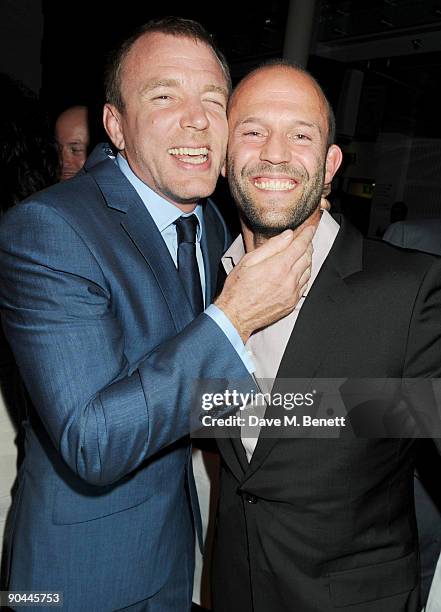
[164, 214]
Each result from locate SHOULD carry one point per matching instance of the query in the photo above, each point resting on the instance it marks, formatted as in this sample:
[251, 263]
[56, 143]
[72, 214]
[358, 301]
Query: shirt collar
[322, 242]
[163, 212]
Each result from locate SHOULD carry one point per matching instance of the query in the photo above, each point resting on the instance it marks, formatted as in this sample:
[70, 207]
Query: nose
[275, 149]
[194, 116]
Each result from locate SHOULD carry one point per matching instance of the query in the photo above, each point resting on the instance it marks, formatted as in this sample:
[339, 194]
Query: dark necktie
[188, 269]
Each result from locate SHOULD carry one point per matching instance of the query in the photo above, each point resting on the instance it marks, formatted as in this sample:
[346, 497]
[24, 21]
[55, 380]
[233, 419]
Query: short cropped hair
[174, 26]
[283, 63]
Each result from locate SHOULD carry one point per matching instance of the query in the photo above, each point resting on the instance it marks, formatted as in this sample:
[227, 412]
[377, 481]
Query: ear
[112, 124]
[334, 158]
[224, 169]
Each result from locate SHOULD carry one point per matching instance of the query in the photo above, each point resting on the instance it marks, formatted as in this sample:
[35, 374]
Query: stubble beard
[268, 222]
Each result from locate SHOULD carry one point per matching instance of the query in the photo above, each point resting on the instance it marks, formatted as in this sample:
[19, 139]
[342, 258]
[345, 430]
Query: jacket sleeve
[104, 416]
[422, 364]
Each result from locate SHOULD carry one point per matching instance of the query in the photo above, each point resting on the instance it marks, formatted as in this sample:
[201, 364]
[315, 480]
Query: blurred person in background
[72, 135]
[423, 235]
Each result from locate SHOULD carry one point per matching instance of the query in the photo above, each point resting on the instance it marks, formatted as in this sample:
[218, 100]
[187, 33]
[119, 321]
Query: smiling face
[173, 129]
[278, 157]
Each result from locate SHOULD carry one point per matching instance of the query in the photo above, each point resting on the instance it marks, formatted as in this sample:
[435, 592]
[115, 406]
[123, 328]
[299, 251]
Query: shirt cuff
[221, 319]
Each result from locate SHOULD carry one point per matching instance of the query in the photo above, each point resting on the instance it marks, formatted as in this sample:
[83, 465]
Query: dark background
[391, 48]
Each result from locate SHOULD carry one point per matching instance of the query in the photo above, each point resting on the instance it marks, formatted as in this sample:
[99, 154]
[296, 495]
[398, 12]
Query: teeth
[275, 185]
[189, 151]
[194, 160]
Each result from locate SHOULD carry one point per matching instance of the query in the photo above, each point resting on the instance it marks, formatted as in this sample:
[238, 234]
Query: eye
[301, 137]
[215, 106]
[252, 133]
[219, 103]
[216, 101]
[162, 99]
[77, 150]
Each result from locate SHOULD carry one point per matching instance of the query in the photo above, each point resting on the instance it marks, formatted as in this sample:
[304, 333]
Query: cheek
[160, 120]
[154, 123]
[310, 162]
[220, 132]
[244, 158]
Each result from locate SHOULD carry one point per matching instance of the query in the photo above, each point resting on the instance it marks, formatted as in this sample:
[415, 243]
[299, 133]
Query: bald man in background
[72, 135]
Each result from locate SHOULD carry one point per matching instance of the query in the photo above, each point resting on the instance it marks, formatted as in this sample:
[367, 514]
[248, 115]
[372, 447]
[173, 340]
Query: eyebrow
[216, 89]
[296, 122]
[156, 83]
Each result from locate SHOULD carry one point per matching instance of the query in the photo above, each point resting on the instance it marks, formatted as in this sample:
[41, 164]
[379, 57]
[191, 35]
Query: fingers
[302, 262]
[269, 285]
[302, 245]
[325, 204]
[302, 269]
[271, 247]
[305, 236]
[304, 280]
[298, 243]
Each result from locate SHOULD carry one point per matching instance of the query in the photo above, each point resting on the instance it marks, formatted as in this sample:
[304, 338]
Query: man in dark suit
[324, 520]
[424, 235]
[104, 281]
[418, 234]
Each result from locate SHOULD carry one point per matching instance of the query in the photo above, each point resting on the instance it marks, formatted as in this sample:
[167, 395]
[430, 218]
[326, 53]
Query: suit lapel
[213, 245]
[140, 227]
[234, 456]
[142, 231]
[317, 325]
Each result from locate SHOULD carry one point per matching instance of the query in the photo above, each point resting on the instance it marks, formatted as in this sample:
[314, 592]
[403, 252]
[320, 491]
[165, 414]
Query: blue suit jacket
[107, 346]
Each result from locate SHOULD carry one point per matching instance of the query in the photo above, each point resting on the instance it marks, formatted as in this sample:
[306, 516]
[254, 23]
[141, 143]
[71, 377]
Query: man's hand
[268, 282]
[325, 204]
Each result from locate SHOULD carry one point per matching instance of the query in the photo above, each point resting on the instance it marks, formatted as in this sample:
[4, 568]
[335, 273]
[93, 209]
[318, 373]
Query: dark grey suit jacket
[424, 235]
[315, 525]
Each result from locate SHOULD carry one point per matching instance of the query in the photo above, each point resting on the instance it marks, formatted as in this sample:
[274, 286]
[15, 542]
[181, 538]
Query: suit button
[251, 499]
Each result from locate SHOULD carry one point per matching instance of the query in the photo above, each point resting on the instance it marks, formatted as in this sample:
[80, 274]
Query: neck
[186, 208]
[253, 240]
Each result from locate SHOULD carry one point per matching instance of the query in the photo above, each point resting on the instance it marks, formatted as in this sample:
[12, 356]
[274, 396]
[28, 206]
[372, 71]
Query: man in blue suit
[105, 314]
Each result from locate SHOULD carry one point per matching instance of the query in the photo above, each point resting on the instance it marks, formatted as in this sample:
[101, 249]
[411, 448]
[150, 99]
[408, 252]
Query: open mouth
[190, 155]
[274, 184]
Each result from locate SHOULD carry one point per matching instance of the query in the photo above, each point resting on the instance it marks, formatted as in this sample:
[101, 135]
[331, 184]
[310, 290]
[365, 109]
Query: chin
[191, 198]
[199, 192]
[277, 225]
